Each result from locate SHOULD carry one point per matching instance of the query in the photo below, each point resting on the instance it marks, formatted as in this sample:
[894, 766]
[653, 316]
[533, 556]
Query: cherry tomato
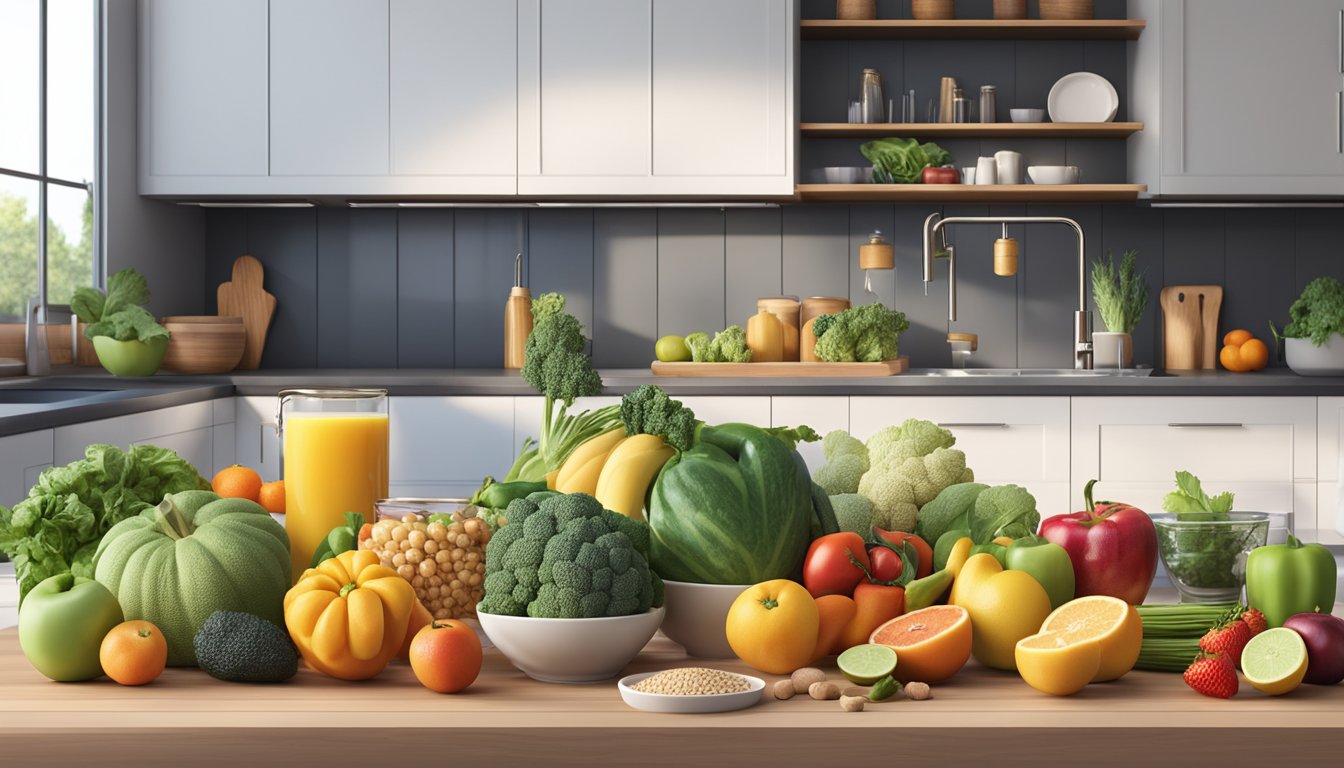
[925, 565]
[886, 564]
[830, 569]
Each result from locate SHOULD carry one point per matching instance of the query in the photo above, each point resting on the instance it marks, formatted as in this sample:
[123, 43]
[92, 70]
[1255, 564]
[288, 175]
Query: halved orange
[1112, 622]
[931, 644]
[1056, 663]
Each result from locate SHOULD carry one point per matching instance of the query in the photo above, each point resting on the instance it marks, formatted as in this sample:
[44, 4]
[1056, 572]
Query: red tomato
[940, 176]
[886, 564]
[925, 565]
[830, 569]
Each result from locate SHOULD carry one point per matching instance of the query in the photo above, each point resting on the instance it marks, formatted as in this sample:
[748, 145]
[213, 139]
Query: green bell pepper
[498, 495]
[1046, 562]
[943, 546]
[1284, 579]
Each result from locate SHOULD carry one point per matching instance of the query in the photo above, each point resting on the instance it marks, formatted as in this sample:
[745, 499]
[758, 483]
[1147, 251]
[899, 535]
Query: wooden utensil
[517, 319]
[244, 297]
[1190, 326]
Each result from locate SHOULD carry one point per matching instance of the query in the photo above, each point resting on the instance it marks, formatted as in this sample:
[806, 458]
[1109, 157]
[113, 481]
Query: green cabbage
[902, 161]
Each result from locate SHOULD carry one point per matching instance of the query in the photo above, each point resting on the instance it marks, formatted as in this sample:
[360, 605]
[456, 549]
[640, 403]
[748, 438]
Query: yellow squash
[1005, 606]
[629, 471]
[349, 615]
[586, 462]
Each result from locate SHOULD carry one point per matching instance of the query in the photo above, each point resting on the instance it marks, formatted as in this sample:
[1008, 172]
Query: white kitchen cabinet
[1019, 440]
[1330, 472]
[443, 446]
[1213, 79]
[22, 459]
[454, 113]
[186, 429]
[329, 88]
[203, 85]
[823, 414]
[1263, 449]
[256, 443]
[659, 97]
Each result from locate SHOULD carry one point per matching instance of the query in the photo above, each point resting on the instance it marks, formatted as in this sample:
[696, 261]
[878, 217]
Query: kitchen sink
[1032, 372]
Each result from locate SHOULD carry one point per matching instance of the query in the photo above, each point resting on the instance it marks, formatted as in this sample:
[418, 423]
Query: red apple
[1324, 636]
[1113, 548]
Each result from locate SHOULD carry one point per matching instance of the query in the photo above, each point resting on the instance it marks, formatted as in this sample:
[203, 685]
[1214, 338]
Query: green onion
[1171, 632]
[1167, 654]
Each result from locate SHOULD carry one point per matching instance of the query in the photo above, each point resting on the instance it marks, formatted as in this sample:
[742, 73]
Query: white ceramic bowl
[1053, 174]
[1307, 359]
[697, 615]
[1027, 115]
[571, 650]
[659, 702]
[847, 174]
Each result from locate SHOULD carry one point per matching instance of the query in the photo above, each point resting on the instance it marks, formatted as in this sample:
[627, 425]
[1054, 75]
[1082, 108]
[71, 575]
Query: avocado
[243, 648]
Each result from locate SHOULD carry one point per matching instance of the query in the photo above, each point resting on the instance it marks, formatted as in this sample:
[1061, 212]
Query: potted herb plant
[127, 338]
[1312, 340]
[1120, 296]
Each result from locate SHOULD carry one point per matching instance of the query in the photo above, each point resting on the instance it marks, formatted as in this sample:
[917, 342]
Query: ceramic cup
[1009, 166]
[986, 171]
[968, 175]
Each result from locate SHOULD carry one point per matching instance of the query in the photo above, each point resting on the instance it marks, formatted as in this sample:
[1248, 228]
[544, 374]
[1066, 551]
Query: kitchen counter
[505, 718]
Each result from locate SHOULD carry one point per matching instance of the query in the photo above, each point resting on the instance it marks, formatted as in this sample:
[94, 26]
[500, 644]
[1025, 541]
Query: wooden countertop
[187, 718]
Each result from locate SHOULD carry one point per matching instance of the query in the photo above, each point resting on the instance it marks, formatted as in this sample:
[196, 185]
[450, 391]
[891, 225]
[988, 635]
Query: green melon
[194, 554]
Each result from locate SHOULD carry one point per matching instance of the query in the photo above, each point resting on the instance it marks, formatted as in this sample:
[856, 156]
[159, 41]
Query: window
[48, 150]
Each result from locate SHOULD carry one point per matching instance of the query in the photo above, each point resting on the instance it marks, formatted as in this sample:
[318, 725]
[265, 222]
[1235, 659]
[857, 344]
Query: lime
[866, 664]
[1275, 661]
[672, 349]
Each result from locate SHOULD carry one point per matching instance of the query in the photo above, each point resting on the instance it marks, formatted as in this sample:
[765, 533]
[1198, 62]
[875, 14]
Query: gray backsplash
[426, 288]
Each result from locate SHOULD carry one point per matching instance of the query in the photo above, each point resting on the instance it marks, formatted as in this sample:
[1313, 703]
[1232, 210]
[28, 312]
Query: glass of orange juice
[334, 452]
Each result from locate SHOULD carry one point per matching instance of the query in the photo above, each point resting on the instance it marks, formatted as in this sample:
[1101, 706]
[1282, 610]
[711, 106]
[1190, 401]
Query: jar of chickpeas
[444, 560]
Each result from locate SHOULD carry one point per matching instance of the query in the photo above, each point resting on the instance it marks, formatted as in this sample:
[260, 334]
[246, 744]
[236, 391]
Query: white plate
[718, 702]
[1082, 97]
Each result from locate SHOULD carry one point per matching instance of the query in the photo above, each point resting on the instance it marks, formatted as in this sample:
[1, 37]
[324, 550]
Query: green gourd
[194, 554]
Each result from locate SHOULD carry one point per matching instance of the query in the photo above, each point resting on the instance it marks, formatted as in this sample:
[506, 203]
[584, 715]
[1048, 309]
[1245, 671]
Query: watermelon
[192, 555]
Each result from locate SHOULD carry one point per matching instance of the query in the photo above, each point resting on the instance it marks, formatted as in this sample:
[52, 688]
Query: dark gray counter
[108, 396]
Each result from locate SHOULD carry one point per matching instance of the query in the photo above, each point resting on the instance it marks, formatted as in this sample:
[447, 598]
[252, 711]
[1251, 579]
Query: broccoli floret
[915, 437]
[898, 487]
[865, 334]
[243, 648]
[730, 346]
[853, 512]
[649, 411]
[846, 461]
[547, 304]
[698, 343]
[567, 557]
[1004, 510]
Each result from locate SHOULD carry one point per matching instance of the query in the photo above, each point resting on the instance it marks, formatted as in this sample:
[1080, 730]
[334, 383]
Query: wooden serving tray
[806, 370]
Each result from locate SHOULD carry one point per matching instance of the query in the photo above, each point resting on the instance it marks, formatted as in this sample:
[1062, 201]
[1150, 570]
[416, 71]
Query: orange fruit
[931, 644]
[1109, 620]
[1254, 354]
[133, 653]
[834, 612]
[272, 497]
[773, 626]
[237, 482]
[1230, 357]
[1237, 338]
[1057, 664]
[446, 656]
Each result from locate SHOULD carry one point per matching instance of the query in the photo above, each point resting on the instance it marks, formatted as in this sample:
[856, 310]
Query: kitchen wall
[426, 288]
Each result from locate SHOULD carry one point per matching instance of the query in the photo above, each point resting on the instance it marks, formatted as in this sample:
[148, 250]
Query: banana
[599, 445]
[584, 479]
[628, 471]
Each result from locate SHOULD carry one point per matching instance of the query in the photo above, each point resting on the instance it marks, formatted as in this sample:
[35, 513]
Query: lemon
[1111, 621]
[1275, 661]
[672, 349]
[866, 664]
[1057, 664]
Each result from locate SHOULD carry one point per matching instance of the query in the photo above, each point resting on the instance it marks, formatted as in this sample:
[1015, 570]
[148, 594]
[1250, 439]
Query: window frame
[94, 187]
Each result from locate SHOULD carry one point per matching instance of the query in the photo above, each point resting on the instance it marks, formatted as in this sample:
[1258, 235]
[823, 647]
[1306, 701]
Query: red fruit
[1113, 548]
[1213, 676]
[1324, 636]
[1255, 620]
[1227, 639]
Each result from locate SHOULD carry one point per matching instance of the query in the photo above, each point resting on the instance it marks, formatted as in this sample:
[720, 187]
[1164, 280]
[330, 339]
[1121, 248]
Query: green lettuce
[118, 313]
[902, 161]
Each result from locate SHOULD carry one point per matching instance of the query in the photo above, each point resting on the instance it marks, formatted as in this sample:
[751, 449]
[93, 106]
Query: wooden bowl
[1066, 9]
[204, 343]
[932, 10]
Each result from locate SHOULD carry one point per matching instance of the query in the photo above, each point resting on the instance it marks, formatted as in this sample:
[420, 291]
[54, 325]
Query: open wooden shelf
[973, 29]
[973, 130]
[970, 193]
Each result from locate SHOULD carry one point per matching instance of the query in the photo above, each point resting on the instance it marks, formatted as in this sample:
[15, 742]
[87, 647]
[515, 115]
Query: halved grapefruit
[931, 644]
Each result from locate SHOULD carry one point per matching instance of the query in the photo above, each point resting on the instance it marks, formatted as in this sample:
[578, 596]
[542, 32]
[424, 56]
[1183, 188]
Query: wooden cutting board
[244, 297]
[1190, 326]
[804, 370]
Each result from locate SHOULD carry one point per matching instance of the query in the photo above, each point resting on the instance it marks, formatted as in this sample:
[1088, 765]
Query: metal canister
[872, 105]
[961, 108]
[988, 107]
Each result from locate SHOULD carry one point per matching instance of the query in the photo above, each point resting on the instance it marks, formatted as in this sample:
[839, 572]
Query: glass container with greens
[1204, 544]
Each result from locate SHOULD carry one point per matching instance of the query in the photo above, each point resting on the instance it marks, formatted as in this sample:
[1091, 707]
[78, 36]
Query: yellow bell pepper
[1005, 606]
[959, 554]
[348, 616]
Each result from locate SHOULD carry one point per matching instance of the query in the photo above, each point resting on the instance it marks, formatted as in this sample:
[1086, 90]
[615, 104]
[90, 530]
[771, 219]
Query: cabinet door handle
[1339, 41]
[1206, 424]
[1339, 122]
[950, 424]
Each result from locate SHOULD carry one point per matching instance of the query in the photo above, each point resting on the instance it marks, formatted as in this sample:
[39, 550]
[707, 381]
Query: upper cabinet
[578, 98]
[1227, 115]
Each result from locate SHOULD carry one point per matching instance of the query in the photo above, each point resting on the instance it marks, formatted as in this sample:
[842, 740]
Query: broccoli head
[866, 334]
[898, 487]
[727, 346]
[846, 461]
[556, 363]
[698, 343]
[565, 557]
[649, 411]
[853, 512]
[547, 304]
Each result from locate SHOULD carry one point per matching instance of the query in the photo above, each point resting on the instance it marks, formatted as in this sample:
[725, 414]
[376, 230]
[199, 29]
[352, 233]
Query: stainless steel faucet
[35, 340]
[934, 227]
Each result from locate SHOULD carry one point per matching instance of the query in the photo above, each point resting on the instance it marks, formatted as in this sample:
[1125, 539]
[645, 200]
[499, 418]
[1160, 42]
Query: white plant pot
[1112, 350]
[1307, 359]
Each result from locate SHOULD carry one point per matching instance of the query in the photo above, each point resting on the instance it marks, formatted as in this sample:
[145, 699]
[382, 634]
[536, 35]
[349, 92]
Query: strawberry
[1212, 676]
[1255, 620]
[1228, 639]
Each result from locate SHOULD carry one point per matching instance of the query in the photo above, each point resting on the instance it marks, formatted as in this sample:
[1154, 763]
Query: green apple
[62, 623]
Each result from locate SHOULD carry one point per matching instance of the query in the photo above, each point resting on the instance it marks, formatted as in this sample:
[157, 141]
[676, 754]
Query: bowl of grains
[691, 690]
[438, 547]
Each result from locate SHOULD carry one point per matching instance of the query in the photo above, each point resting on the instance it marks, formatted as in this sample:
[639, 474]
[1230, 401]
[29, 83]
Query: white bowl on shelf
[1307, 359]
[1054, 174]
[697, 615]
[1027, 115]
[571, 650]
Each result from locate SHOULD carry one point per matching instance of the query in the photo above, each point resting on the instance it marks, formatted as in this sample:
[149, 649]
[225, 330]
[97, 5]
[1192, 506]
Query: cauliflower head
[566, 557]
[915, 437]
[846, 461]
[853, 512]
[898, 486]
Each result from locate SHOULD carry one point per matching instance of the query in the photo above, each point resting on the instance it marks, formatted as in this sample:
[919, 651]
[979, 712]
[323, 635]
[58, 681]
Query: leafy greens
[1318, 313]
[902, 161]
[118, 313]
[1120, 295]
[1190, 504]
